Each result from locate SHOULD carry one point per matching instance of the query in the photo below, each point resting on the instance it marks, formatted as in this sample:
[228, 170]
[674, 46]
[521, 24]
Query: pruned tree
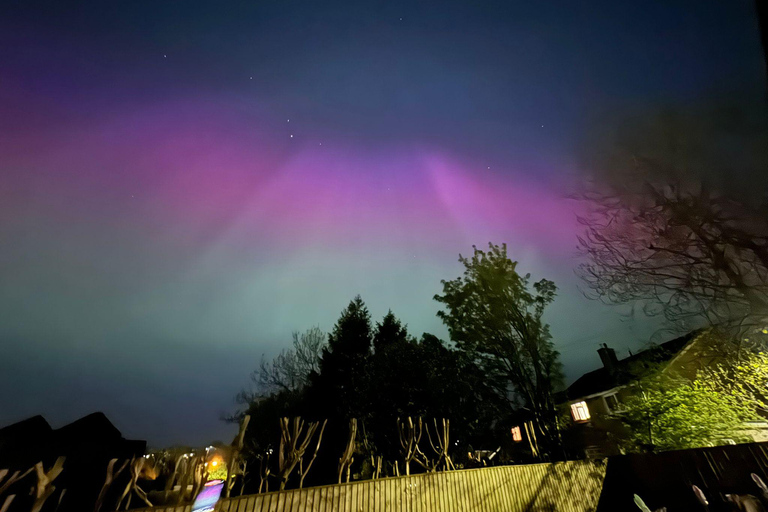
[377, 463]
[347, 458]
[242, 470]
[530, 434]
[496, 318]
[7, 503]
[293, 446]
[174, 476]
[234, 454]
[110, 478]
[132, 487]
[44, 487]
[15, 477]
[61, 498]
[410, 435]
[441, 443]
[304, 469]
[183, 470]
[264, 471]
[199, 474]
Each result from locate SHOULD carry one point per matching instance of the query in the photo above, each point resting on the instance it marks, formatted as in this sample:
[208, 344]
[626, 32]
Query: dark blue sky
[182, 184]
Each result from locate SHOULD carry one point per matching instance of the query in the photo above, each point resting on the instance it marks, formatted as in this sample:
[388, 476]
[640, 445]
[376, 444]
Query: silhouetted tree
[288, 372]
[389, 332]
[340, 389]
[402, 377]
[398, 381]
[677, 218]
[343, 367]
[493, 315]
[693, 257]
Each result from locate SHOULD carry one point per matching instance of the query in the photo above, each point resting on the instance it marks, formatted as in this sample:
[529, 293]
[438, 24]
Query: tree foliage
[727, 389]
[743, 376]
[343, 363]
[686, 415]
[374, 374]
[495, 314]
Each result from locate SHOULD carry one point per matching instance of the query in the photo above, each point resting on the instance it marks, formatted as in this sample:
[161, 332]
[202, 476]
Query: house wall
[599, 436]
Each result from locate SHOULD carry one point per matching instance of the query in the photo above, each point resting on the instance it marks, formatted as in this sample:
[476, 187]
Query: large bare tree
[677, 223]
[289, 371]
[692, 256]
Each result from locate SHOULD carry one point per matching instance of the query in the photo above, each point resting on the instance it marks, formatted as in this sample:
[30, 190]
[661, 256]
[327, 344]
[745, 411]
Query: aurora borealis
[184, 184]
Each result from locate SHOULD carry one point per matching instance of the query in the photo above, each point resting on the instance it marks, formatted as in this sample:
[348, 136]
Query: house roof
[33, 439]
[627, 369]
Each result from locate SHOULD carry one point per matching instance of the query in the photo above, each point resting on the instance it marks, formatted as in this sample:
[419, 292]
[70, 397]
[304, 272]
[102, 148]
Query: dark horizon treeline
[376, 372]
[500, 369]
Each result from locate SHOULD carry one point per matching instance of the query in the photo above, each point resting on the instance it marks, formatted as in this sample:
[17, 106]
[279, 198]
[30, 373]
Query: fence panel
[572, 486]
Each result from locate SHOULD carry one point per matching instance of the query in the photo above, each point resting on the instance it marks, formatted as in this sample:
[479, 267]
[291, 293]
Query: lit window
[580, 411]
[516, 434]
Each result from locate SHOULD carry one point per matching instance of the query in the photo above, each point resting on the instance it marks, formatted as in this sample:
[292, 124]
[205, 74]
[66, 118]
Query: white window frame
[608, 408]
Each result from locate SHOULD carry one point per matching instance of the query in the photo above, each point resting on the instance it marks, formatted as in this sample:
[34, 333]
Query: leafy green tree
[745, 377]
[496, 318]
[682, 415]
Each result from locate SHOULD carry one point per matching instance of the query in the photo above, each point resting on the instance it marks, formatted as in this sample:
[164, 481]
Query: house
[595, 398]
[88, 445]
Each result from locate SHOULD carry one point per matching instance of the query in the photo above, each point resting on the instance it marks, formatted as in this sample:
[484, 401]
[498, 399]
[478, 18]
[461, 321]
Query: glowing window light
[580, 411]
[516, 434]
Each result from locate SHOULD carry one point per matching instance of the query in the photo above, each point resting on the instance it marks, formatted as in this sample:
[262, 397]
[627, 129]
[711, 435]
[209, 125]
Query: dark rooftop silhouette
[617, 372]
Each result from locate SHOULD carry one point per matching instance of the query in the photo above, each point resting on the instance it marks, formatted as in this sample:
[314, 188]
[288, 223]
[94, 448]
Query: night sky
[183, 184]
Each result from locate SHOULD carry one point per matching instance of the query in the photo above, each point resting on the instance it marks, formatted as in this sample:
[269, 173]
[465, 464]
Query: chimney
[608, 357]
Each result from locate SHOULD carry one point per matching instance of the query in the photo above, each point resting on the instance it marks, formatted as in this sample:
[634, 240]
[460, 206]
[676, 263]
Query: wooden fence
[572, 486]
[665, 479]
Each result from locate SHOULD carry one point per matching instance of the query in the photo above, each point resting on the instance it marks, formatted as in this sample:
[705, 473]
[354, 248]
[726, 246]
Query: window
[516, 434]
[580, 411]
[612, 403]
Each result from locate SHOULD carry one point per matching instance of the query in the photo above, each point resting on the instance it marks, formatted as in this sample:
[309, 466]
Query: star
[291, 135]
[251, 78]
[165, 56]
